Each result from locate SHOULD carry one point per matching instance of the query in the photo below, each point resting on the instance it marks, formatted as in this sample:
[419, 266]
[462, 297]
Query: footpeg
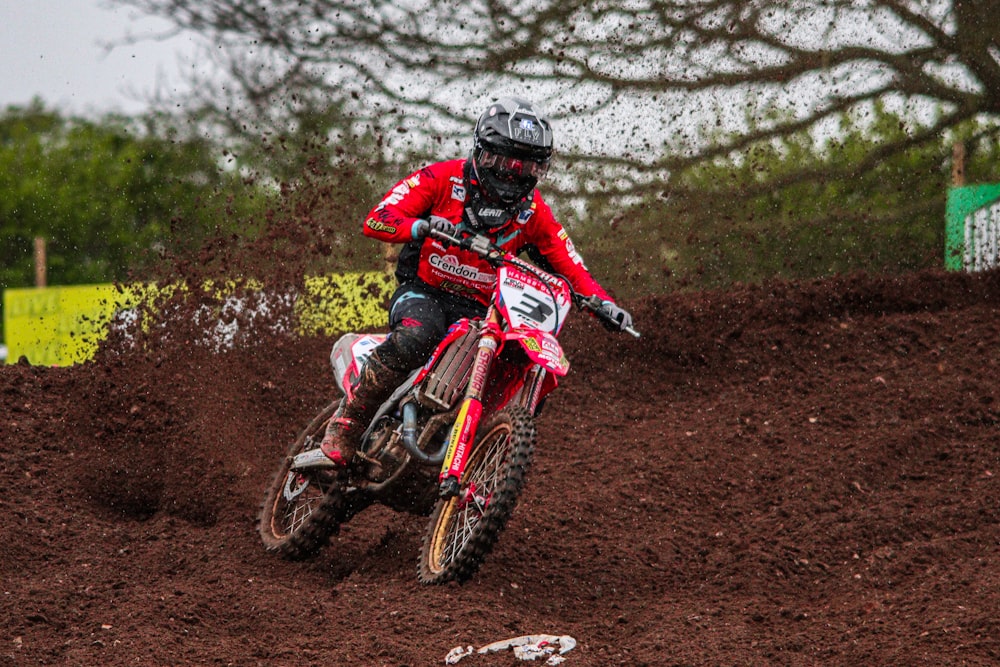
[313, 459]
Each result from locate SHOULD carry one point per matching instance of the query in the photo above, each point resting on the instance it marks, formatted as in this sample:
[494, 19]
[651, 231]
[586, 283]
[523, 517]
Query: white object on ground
[526, 647]
[529, 647]
[457, 653]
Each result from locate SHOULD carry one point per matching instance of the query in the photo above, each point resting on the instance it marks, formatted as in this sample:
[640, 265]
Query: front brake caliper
[449, 487]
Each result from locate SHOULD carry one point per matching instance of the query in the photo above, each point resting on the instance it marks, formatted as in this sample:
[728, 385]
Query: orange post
[958, 164]
[40, 277]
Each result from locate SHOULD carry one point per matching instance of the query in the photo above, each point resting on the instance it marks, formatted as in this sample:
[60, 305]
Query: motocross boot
[376, 383]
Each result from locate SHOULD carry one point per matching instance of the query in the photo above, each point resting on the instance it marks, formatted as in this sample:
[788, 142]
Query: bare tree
[641, 88]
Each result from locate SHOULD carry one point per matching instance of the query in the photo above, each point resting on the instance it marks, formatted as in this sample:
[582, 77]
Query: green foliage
[789, 208]
[109, 196]
[112, 196]
[103, 195]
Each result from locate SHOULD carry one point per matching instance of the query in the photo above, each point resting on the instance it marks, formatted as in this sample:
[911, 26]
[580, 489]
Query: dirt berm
[794, 474]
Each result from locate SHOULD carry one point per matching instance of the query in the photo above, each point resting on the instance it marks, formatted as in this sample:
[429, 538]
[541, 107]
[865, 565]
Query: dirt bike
[454, 441]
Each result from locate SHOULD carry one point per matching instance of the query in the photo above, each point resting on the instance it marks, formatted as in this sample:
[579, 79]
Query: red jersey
[439, 191]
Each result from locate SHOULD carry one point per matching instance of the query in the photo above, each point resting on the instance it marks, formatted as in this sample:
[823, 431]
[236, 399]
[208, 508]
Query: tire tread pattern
[520, 451]
[314, 532]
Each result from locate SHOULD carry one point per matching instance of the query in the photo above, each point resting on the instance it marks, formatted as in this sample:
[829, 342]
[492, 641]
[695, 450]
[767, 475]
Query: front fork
[464, 431]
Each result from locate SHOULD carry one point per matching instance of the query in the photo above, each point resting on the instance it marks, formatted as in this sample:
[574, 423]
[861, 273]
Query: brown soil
[795, 474]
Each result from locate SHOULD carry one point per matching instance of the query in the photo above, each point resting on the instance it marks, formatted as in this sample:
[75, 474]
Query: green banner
[972, 228]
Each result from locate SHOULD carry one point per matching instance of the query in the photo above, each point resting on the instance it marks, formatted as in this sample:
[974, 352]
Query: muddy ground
[794, 474]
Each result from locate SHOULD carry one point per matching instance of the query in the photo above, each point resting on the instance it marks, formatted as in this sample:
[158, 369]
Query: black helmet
[512, 150]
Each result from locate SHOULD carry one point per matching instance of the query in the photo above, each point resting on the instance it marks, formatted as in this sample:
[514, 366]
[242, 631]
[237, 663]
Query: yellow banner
[58, 326]
[345, 302]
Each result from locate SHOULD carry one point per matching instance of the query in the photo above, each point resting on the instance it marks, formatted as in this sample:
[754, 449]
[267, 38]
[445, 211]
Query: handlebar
[482, 246]
[596, 306]
[477, 243]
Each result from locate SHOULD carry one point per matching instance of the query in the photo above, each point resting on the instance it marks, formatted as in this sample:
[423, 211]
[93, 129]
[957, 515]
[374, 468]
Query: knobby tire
[463, 529]
[301, 512]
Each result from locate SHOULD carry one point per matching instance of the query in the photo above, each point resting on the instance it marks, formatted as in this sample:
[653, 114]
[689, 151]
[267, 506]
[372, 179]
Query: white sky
[54, 49]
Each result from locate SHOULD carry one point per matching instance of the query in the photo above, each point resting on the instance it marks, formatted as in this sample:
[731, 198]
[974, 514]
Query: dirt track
[799, 474]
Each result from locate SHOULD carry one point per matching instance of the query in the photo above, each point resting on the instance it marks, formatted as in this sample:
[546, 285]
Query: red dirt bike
[454, 441]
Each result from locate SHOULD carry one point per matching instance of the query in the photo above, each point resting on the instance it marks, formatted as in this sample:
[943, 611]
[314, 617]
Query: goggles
[510, 168]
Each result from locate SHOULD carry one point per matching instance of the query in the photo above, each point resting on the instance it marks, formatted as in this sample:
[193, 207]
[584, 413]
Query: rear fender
[348, 356]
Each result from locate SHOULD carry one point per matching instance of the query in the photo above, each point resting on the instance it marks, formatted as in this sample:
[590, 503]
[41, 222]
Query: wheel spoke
[465, 527]
[301, 509]
[483, 476]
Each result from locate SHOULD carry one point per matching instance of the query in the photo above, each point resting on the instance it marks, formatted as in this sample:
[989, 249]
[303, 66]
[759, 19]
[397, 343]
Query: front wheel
[464, 528]
[302, 510]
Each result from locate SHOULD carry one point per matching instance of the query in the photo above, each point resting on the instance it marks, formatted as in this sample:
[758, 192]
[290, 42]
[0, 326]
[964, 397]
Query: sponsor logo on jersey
[573, 255]
[458, 288]
[378, 226]
[397, 193]
[458, 192]
[450, 265]
[524, 216]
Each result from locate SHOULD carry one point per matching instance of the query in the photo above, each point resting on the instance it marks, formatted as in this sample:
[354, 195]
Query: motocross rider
[492, 192]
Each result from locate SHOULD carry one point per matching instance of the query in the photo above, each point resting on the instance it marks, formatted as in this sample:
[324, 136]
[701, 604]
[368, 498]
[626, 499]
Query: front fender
[542, 348]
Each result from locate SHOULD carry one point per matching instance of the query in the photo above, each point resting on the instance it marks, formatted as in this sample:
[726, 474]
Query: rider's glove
[615, 317]
[422, 228]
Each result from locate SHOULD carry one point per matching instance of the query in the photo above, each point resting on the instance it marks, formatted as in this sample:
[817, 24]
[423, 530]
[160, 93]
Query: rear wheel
[302, 510]
[463, 529]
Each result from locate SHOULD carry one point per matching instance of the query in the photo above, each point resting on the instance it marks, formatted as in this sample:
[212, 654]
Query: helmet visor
[511, 168]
